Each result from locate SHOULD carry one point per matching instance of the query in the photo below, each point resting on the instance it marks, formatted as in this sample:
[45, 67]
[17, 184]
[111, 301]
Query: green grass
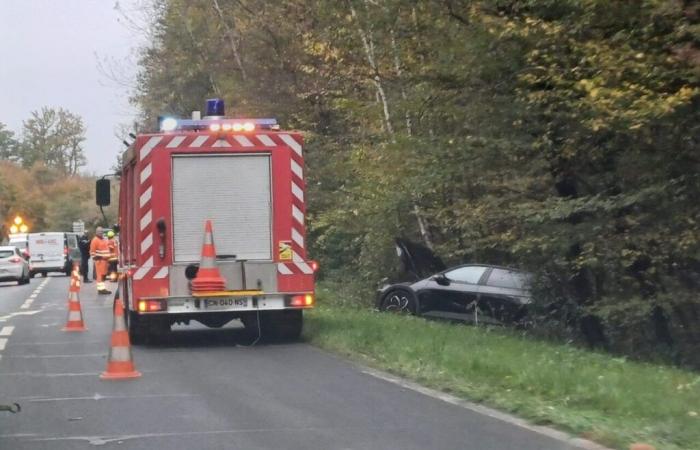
[611, 400]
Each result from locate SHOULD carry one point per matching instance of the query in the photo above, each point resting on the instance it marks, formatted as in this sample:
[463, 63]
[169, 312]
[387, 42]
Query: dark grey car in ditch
[470, 292]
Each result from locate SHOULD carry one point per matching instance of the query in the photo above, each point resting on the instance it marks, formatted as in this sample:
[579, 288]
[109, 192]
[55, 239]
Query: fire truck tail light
[248, 126]
[215, 127]
[302, 300]
[314, 266]
[151, 305]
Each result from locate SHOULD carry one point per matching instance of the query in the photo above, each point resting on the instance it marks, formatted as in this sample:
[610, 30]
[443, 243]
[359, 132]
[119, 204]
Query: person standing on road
[84, 246]
[99, 251]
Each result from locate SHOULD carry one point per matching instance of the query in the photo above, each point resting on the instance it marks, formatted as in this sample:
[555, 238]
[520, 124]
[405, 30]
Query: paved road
[205, 389]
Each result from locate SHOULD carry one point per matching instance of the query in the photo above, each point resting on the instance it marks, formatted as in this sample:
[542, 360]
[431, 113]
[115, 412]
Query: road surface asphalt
[209, 389]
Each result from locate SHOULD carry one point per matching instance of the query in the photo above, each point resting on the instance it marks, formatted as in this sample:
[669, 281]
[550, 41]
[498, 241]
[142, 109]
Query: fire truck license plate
[226, 303]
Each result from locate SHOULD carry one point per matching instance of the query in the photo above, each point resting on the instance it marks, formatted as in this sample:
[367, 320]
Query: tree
[557, 136]
[54, 137]
[8, 144]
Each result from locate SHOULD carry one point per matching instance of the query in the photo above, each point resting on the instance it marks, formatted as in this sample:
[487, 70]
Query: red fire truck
[246, 177]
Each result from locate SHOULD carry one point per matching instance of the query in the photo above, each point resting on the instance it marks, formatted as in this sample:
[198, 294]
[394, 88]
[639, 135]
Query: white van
[51, 252]
[19, 240]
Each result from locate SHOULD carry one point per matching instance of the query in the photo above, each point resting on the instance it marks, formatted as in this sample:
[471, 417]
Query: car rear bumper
[11, 273]
[48, 267]
[222, 304]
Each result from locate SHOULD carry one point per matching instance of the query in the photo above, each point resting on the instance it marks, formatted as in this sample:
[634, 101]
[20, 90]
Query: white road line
[43, 343]
[102, 397]
[83, 355]
[49, 375]
[20, 313]
[7, 331]
[102, 440]
[3, 343]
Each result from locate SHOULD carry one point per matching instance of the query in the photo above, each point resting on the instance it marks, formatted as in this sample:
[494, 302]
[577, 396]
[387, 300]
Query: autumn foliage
[557, 136]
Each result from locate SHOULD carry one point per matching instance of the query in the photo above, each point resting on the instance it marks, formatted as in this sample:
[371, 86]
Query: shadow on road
[193, 336]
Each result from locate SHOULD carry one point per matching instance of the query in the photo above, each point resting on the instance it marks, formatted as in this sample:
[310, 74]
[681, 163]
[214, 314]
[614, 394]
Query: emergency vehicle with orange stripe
[245, 177]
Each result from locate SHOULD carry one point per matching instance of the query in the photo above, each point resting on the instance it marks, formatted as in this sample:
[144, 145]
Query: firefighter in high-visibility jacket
[99, 252]
[113, 256]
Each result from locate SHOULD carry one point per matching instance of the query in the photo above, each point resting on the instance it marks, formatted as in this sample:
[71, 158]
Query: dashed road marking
[6, 331]
[26, 304]
[3, 343]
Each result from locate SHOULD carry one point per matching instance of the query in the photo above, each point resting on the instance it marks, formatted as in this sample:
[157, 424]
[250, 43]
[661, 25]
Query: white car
[13, 267]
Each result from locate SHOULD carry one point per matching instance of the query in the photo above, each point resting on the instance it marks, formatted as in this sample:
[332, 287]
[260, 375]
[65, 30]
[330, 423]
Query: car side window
[468, 274]
[506, 279]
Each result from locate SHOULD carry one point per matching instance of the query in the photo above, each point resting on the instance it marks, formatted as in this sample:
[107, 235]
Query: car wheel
[43, 274]
[400, 301]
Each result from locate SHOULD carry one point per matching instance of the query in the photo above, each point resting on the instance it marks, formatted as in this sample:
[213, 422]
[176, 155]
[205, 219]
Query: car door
[503, 294]
[460, 292]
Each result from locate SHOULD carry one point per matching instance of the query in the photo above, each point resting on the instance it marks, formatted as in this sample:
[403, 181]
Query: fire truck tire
[283, 325]
[138, 330]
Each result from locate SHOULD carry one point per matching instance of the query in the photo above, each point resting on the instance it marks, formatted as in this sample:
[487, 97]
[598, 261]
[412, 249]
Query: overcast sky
[50, 53]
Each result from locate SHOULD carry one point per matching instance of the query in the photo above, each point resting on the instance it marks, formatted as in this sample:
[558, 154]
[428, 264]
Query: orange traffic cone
[75, 314]
[208, 277]
[120, 364]
[75, 273]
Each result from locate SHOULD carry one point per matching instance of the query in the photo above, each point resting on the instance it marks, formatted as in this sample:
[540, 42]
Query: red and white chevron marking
[298, 230]
[146, 233]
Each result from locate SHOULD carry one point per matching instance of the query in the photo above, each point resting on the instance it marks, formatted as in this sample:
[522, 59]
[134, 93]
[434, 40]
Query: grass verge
[604, 398]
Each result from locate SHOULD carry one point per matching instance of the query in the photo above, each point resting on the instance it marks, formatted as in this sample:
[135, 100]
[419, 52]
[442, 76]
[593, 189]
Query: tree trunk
[368, 45]
[231, 39]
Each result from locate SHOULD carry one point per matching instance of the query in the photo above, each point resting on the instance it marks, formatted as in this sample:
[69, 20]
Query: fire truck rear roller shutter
[233, 191]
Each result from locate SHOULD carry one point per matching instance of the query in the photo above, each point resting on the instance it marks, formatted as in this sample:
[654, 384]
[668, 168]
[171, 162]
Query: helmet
[110, 234]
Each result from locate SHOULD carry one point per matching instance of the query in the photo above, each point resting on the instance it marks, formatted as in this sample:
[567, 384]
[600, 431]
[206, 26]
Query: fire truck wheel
[138, 330]
[283, 325]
